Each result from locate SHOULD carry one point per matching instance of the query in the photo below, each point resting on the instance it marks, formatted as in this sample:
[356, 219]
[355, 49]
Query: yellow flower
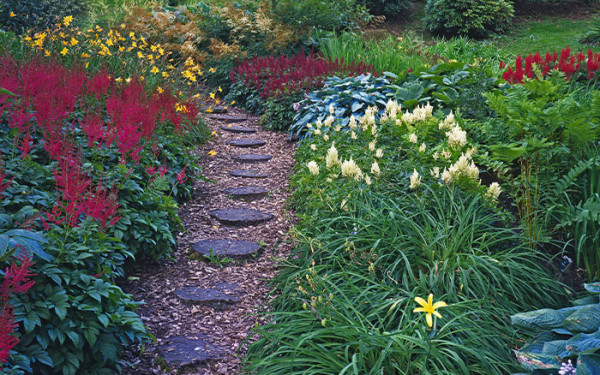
[212, 70]
[154, 70]
[429, 307]
[46, 52]
[12, 14]
[64, 51]
[220, 89]
[73, 41]
[67, 20]
[212, 152]
[119, 79]
[160, 90]
[212, 95]
[232, 102]
[122, 26]
[84, 55]
[140, 55]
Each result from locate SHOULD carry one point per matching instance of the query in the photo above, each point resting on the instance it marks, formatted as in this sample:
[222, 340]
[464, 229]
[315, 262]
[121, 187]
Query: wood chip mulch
[163, 313]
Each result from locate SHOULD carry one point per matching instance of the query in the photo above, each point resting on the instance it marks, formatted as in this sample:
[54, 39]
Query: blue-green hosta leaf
[586, 319]
[588, 300]
[356, 106]
[536, 344]
[555, 347]
[588, 364]
[533, 361]
[592, 287]
[538, 320]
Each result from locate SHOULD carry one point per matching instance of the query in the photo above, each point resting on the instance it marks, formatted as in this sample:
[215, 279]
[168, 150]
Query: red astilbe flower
[579, 65]
[274, 76]
[181, 176]
[79, 196]
[16, 280]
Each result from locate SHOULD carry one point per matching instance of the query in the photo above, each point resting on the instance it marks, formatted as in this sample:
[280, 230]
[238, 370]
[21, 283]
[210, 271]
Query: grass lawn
[551, 33]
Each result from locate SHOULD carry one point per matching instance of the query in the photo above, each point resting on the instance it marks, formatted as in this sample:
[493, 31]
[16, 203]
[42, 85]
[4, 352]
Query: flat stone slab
[247, 192]
[240, 216]
[237, 129]
[182, 351]
[246, 143]
[217, 298]
[252, 158]
[229, 118]
[248, 173]
[217, 110]
[226, 248]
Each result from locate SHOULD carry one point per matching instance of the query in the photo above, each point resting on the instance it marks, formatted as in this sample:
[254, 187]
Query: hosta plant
[568, 335]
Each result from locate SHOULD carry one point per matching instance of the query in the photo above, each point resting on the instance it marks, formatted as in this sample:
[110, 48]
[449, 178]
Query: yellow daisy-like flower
[67, 20]
[429, 307]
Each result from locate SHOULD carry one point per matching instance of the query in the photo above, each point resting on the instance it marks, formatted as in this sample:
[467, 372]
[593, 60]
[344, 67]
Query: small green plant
[568, 335]
[218, 260]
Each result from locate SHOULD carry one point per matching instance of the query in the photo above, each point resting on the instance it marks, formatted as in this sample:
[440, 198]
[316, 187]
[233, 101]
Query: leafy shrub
[568, 335]
[279, 112]
[22, 15]
[575, 67]
[394, 8]
[473, 18]
[326, 15]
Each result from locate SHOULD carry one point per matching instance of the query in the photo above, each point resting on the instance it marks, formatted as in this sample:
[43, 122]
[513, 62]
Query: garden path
[201, 310]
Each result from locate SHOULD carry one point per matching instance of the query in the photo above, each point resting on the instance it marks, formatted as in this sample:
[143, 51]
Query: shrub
[473, 18]
[22, 15]
[326, 15]
[394, 8]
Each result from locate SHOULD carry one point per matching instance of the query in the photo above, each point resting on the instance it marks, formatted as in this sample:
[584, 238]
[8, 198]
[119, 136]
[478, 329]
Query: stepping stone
[229, 118]
[248, 192]
[246, 143]
[226, 248]
[182, 351]
[240, 216]
[217, 110]
[247, 173]
[252, 158]
[237, 129]
[216, 298]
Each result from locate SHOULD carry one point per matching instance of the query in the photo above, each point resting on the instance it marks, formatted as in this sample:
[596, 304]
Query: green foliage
[75, 319]
[394, 8]
[593, 35]
[473, 18]
[37, 14]
[569, 333]
[546, 125]
[279, 112]
[318, 14]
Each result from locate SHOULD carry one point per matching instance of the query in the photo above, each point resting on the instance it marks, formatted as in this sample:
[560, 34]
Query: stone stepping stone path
[245, 173]
[182, 351]
[237, 129]
[203, 306]
[217, 110]
[226, 248]
[215, 298]
[247, 192]
[252, 158]
[228, 118]
[241, 217]
[246, 143]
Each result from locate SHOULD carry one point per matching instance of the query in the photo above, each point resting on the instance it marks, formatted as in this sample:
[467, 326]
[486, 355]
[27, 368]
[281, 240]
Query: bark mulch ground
[215, 332]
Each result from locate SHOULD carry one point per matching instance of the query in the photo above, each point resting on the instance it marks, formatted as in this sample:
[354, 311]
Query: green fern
[593, 36]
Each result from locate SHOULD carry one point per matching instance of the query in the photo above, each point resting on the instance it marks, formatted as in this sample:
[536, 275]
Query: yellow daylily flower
[154, 70]
[212, 152]
[429, 307]
[64, 51]
[67, 20]
[12, 14]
